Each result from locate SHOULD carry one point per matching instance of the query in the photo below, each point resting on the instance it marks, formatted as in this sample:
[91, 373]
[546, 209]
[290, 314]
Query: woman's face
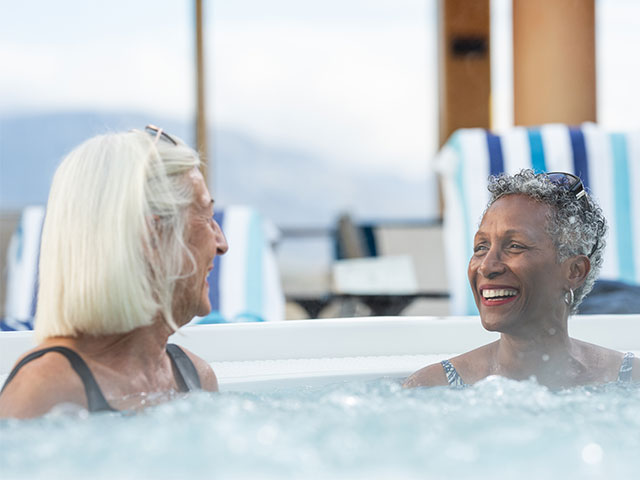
[514, 274]
[205, 239]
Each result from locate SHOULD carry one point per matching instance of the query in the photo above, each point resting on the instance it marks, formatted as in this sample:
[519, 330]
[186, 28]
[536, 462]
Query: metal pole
[201, 120]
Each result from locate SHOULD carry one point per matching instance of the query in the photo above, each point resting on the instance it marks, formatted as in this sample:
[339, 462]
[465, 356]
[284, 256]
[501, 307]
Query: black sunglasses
[574, 185]
[158, 133]
[568, 181]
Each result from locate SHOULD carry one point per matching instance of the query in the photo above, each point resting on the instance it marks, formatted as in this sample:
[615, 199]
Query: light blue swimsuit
[455, 380]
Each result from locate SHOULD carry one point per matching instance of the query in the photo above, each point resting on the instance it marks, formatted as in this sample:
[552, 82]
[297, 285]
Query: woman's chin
[204, 309]
[493, 322]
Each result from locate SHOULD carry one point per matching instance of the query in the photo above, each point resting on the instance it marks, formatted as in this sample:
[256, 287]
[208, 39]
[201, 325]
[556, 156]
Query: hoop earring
[569, 297]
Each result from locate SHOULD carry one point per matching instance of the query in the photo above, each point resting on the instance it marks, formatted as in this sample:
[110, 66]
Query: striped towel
[608, 164]
[22, 270]
[244, 285]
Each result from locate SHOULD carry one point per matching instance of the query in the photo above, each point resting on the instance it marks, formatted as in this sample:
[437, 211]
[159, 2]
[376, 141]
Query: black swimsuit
[186, 374]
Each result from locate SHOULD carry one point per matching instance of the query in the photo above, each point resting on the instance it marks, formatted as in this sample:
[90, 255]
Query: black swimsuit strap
[186, 374]
[95, 399]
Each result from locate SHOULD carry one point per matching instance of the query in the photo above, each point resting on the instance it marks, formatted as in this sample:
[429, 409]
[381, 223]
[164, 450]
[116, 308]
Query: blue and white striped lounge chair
[244, 285]
[22, 270]
[608, 164]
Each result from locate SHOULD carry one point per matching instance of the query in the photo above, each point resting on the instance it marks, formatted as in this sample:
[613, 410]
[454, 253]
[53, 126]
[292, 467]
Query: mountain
[290, 186]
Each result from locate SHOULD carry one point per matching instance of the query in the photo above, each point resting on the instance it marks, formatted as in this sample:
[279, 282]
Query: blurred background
[322, 115]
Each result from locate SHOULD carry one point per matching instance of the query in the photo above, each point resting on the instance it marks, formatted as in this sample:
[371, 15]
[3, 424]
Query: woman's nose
[491, 264]
[221, 241]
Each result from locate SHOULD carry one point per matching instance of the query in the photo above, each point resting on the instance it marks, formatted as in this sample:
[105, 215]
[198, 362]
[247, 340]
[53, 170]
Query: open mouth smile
[494, 296]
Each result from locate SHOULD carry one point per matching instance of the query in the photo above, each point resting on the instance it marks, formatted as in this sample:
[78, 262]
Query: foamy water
[496, 429]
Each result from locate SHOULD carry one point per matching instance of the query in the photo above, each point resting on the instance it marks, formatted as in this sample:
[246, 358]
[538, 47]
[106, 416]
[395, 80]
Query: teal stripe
[538, 163]
[622, 201]
[468, 249]
[254, 266]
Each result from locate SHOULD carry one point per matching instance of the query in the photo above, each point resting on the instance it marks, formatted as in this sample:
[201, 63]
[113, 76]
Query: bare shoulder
[430, 376]
[471, 366]
[208, 378]
[40, 385]
[606, 361]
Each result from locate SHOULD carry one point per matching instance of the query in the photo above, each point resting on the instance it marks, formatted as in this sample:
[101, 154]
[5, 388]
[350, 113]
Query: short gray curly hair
[577, 225]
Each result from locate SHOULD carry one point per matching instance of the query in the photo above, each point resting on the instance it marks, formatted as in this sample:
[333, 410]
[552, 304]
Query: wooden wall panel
[554, 74]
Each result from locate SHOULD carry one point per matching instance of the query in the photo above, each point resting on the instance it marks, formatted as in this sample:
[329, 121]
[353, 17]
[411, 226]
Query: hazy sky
[350, 79]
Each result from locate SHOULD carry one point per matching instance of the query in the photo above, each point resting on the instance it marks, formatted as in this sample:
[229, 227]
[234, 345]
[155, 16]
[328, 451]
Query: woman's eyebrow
[512, 231]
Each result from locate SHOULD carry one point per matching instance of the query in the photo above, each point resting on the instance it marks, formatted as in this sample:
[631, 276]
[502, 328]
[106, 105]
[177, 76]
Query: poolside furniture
[244, 285]
[22, 270]
[385, 266]
[607, 162]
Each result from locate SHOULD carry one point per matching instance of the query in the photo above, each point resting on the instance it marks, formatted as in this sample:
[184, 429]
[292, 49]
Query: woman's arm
[430, 376]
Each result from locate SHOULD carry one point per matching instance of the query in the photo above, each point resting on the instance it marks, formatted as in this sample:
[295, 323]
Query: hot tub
[322, 399]
[262, 356]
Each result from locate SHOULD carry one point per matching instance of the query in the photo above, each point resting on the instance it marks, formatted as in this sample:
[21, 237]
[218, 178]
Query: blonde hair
[113, 237]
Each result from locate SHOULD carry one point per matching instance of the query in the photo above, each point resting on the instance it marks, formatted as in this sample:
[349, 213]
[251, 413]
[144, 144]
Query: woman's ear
[578, 268]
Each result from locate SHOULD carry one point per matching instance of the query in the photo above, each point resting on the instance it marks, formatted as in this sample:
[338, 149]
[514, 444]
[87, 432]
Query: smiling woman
[536, 255]
[128, 241]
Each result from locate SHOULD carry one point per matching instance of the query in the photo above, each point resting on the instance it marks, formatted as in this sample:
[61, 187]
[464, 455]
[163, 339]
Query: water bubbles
[497, 428]
[248, 406]
[545, 358]
[462, 452]
[351, 401]
[68, 410]
[592, 454]
[267, 434]
[552, 331]
[237, 444]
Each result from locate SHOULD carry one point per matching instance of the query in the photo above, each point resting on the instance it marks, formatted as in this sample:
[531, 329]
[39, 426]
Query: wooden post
[464, 65]
[201, 119]
[554, 68]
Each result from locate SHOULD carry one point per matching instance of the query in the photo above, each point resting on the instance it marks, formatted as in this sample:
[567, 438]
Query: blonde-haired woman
[128, 241]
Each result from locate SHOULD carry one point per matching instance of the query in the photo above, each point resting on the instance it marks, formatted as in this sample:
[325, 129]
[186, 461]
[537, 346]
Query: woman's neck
[549, 354]
[137, 348]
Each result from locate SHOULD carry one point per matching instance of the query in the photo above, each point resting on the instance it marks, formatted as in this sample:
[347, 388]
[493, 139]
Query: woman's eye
[516, 246]
[479, 248]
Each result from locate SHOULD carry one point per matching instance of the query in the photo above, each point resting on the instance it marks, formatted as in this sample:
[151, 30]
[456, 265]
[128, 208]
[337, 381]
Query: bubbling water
[496, 429]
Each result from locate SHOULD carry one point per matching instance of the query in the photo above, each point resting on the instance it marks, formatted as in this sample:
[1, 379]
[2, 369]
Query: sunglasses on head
[574, 185]
[158, 134]
[569, 181]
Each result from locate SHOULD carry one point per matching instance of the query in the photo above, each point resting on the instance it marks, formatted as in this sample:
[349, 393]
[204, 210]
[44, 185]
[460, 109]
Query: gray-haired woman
[128, 241]
[536, 255]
